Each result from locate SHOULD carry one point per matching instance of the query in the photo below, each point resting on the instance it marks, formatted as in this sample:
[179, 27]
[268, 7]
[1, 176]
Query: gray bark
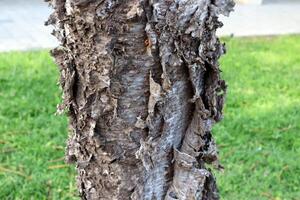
[141, 83]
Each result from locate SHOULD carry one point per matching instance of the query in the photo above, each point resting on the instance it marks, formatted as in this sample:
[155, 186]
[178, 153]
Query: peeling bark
[141, 84]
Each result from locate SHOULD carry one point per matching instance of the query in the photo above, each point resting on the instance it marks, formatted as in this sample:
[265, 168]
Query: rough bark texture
[142, 87]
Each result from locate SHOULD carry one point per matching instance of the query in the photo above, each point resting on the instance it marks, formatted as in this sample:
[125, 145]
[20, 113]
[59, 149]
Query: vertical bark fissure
[191, 178]
[174, 109]
[104, 43]
[141, 82]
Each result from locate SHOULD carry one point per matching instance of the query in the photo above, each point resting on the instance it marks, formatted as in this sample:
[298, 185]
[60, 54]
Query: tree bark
[141, 83]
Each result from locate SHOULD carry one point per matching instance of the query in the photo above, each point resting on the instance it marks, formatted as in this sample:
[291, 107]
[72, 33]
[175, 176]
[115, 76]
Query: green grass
[32, 138]
[258, 139]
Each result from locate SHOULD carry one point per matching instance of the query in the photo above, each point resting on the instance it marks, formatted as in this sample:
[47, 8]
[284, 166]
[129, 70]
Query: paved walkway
[22, 23]
[256, 20]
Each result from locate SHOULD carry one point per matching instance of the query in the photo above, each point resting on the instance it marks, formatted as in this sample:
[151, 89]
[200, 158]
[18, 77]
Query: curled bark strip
[141, 84]
[192, 181]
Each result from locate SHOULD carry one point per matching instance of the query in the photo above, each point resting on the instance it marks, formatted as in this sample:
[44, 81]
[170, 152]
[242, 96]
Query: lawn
[258, 139]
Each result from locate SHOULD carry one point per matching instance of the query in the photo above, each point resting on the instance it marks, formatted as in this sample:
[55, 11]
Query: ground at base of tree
[258, 139]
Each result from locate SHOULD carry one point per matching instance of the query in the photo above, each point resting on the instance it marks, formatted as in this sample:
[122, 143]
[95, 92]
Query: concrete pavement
[259, 20]
[22, 25]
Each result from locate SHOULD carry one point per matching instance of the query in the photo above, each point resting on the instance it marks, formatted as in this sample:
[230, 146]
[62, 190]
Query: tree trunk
[142, 87]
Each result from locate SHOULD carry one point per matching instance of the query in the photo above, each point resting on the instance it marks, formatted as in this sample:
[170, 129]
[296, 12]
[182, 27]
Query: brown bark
[142, 87]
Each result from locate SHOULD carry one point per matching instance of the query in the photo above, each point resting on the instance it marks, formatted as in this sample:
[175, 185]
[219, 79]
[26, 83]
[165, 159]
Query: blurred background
[258, 139]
